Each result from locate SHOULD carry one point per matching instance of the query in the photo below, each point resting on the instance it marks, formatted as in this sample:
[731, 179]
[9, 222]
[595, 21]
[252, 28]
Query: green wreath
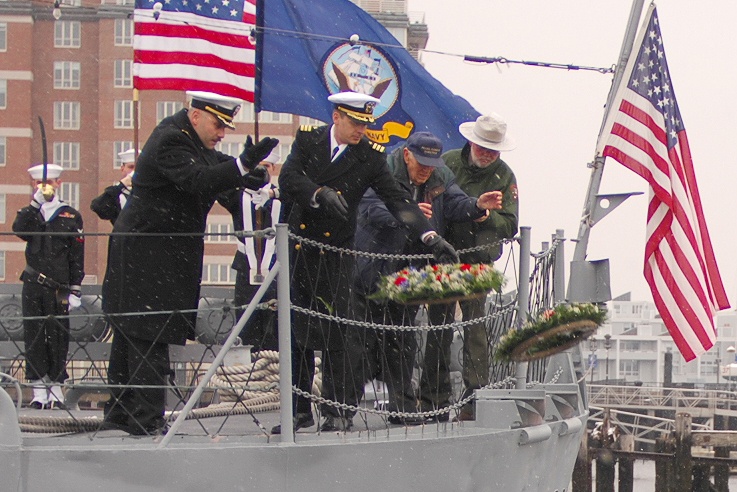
[553, 331]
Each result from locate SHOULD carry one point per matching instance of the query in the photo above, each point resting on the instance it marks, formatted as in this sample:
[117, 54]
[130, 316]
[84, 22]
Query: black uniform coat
[107, 206]
[174, 187]
[321, 280]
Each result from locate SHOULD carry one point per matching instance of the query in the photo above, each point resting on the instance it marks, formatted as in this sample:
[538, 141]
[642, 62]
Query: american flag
[644, 132]
[195, 45]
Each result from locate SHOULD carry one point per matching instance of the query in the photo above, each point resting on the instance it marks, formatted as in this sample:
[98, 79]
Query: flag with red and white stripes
[644, 131]
[195, 45]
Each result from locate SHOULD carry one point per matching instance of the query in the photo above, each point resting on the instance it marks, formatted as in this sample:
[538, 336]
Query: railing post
[683, 462]
[523, 297]
[284, 313]
[559, 268]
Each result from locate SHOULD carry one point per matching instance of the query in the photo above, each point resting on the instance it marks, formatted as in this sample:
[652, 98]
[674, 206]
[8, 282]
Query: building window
[218, 273]
[123, 32]
[230, 148]
[3, 93]
[269, 117]
[3, 153]
[66, 115]
[3, 199]
[125, 2]
[3, 36]
[123, 114]
[167, 108]
[118, 147]
[630, 346]
[2, 265]
[66, 75]
[629, 368]
[123, 73]
[304, 120]
[66, 154]
[67, 34]
[220, 233]
[284, 150]
[245, 114]
[69, 192]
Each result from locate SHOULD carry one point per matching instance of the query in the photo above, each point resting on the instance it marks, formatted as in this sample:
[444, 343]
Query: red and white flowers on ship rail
[434, 282]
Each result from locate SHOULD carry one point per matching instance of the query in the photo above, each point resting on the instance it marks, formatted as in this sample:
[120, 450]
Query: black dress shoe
[153, 430]
[336, 424]
[410, 420]
[56, 405]
[439, 418]
[37, 405]
[300, 421]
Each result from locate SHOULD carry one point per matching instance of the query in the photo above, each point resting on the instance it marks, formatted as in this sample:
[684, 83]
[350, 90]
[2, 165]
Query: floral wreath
[439, 283]
[553, 331]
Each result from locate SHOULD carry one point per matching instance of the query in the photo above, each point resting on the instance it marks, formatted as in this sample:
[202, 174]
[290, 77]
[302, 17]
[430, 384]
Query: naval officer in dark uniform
[178, 175]
[108, 205]
[325, 176]
[52, 282]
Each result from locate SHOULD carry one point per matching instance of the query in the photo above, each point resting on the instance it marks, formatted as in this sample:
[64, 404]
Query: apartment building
[638, 343]
[70, 65]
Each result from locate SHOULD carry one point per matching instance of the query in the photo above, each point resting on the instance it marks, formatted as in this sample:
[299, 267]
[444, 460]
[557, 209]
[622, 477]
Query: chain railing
[196, 364]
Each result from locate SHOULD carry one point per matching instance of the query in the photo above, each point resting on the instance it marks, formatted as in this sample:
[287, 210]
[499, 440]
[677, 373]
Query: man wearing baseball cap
[52, 280]
[479, 168]
[178, 176]
[419, 169]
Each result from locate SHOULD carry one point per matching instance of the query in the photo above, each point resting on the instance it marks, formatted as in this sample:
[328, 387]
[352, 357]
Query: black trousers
[373, 354]
[137, 362]
[435, 387]
[46, 340]
[259, 330]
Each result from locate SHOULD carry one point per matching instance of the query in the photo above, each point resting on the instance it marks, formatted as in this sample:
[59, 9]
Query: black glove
[253, 154]
[332, 202]
[256, 178]
[442, 250]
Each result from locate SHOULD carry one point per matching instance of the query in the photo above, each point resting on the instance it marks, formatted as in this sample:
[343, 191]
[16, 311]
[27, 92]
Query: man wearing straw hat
[478, 169]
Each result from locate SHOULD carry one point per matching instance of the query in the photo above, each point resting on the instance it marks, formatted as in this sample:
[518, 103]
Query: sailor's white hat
[53, 171]
[223, 107]
[127, 156]
[358, 106]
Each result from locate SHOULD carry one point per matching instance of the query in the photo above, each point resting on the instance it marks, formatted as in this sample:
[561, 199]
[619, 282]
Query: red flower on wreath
[465, 267]
[400, 280]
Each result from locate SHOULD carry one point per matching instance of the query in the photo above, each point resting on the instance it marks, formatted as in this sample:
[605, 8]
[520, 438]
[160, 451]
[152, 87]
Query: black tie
[335, 151]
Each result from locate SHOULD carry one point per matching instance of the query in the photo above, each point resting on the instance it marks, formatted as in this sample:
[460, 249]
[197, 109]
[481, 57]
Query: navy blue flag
[304, 54]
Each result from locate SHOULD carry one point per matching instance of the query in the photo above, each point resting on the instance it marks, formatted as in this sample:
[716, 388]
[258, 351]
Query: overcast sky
[555, 115]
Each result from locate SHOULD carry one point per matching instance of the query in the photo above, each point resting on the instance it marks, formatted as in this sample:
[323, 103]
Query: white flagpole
[597, 170]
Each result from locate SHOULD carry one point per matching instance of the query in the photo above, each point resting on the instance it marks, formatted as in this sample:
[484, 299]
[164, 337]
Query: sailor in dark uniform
[108, 205]
[52, 282]
[325, 176]
[254, 210]
[178, 175]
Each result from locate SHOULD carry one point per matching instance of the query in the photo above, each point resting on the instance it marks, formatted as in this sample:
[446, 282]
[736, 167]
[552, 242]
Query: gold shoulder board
[378, 147]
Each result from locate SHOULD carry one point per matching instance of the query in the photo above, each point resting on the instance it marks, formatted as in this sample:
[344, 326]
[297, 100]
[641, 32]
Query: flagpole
[584, 230]
[135, 122]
